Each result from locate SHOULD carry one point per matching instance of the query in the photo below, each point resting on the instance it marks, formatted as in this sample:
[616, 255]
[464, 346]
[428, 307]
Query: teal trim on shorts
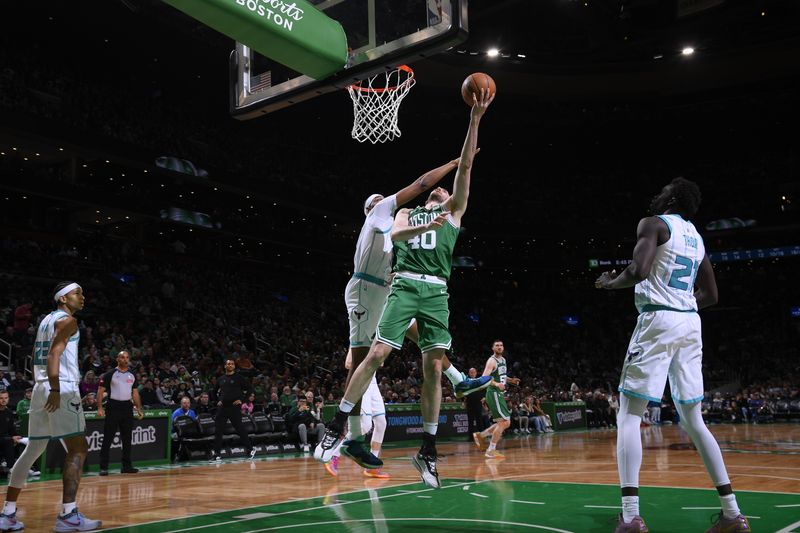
[384, 231]
[649, 308]
[371, 279]
[359, 344]
[69, 435]
[637, 395]
[40, 438]
[693, 400]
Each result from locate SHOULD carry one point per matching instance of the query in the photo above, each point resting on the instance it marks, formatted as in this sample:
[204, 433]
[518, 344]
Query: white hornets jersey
[68, 371]
[670, 284]
[373, 259]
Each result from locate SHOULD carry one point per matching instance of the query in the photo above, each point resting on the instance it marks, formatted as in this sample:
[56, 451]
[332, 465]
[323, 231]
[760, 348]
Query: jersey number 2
[426, 241]
[40, 351]
[686, 269]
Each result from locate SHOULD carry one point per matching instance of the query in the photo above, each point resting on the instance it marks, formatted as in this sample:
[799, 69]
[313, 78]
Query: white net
[375, 104]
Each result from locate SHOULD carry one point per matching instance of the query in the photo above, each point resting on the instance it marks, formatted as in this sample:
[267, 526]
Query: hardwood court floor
[558, 482]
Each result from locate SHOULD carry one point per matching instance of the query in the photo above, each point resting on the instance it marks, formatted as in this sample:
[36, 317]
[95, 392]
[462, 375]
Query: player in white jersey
[673, 279]
[55, 411]
[366, 295]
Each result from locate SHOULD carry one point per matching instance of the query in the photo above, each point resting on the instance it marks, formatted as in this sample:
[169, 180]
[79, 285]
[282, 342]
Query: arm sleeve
[386, 207]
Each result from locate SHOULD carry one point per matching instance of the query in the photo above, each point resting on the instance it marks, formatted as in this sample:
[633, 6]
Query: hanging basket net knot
[375, 104]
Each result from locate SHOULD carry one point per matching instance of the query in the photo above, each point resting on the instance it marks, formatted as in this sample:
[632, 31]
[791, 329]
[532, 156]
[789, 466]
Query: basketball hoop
[375, 104]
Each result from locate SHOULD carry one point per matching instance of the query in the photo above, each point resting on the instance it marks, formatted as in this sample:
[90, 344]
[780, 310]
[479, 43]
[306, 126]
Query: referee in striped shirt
[122, 397]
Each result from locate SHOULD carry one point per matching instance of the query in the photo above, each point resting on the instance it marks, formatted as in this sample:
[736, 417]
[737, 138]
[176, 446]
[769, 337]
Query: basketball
[473, 85]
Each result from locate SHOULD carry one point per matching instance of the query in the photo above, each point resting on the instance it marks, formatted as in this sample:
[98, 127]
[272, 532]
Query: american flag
[261, 81]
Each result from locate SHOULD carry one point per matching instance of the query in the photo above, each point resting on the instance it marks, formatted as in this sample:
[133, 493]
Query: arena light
[687, 51]
[493, 52]
[521, 56]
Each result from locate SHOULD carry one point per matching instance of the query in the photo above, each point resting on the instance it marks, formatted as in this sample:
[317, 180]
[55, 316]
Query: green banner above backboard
[292, 32]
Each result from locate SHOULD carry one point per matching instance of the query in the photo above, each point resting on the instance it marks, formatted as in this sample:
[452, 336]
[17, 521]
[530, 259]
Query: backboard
[381, 34]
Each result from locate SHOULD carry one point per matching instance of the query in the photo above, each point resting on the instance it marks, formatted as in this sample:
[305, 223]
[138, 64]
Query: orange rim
[404, 68]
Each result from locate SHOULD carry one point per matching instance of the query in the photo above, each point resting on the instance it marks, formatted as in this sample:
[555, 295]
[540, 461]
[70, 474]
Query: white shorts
[372, 401]
[66, 421]
[365, 301]
[665, 344]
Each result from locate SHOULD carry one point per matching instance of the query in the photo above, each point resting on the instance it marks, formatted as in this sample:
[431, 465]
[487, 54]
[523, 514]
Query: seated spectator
[185, 409]
[274, 404]
[204, 405]
[301, 420]
[288, 399]
[90, 402]
[164, 393]
[89, 384]
[249, 405]
[148, 395]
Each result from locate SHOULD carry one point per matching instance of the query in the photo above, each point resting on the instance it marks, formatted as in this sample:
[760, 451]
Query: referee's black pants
[119, 416]
[234, 414]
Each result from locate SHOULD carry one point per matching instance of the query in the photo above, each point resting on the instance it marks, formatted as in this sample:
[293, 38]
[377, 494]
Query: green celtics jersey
[430, 252]
[499, 374]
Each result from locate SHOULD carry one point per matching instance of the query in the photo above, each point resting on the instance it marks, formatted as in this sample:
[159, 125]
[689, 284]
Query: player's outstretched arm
[705, 291]
[424, 182]
[457, 203]
[643, 255]
[403, 231]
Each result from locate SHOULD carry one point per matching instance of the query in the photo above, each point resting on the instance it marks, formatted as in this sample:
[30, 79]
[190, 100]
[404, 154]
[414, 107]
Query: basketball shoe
[730, 525]
[425, 463]
[494, 454]
[332, 466]
[355, 450]
[75, 521]
[9, 522]
[329, 442]
[469, 385]
[636, 525]
[377, 473]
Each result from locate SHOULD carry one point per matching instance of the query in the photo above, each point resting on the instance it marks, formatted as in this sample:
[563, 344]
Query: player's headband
[66, 290]
[369, 201]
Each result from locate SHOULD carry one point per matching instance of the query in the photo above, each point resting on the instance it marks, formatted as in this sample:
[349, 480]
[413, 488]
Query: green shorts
[425, 301]
[497, 404]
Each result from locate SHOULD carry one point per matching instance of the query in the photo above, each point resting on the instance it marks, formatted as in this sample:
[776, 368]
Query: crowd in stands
[180, 319]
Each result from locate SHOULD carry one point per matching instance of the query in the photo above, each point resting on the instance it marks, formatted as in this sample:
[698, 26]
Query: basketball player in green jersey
[501, 414]
[424, 239]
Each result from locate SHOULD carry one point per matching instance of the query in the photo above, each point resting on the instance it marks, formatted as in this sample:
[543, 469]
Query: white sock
[630, 508]
[345, 406]
[355, 426]
[453, 375]
[10, 508]
[377, 452]
[67, 508]
[430, 428]
[729, 506]
[491, 447]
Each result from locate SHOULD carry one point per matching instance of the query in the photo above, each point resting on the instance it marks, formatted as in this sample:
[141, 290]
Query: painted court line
[603, 506]
[790, 528]
[792, 505]
[426, 497]
[376, 520]
[702, 508]
[523, 501]
[478, 495]
[253, 516]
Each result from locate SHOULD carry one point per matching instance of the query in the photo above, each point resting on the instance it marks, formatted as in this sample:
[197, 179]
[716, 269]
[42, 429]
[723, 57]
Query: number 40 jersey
[670, 284]
[430, 253]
